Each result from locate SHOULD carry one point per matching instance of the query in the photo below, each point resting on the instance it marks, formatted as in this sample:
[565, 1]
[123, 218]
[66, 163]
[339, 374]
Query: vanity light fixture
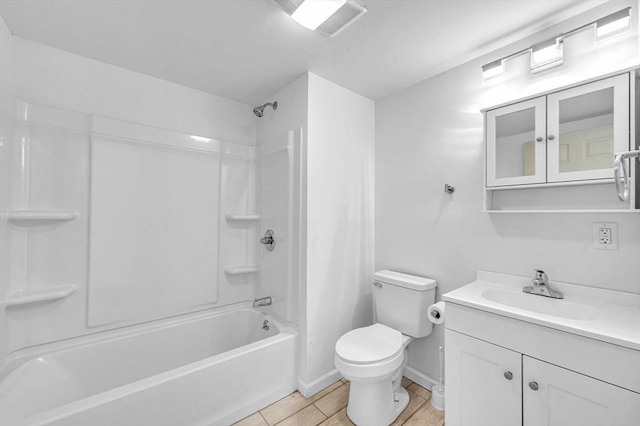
[326, 16]
[493, 70]
[550, 53]
[547, 55]
[613, 25]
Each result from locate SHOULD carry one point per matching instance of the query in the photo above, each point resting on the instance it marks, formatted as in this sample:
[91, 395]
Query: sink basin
[542, 305]
[596, 313]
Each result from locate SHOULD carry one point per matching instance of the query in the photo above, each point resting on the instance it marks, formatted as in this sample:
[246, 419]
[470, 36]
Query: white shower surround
[61, 165]
[166, 371]
[200, 369]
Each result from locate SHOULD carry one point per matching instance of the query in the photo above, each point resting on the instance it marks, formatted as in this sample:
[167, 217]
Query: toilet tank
[402, 300]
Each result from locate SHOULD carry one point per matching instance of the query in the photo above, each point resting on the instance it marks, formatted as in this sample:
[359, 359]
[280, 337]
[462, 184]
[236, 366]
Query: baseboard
[419, 378]
[310, 388]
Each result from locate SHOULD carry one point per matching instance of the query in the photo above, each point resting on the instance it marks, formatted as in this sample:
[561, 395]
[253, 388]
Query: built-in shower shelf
[239, 217]
[27, 297]
[241, 269]
[39, 216]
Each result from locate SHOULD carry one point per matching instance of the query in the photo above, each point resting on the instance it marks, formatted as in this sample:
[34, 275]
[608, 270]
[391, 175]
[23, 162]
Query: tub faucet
[541, 287]
[263, 301]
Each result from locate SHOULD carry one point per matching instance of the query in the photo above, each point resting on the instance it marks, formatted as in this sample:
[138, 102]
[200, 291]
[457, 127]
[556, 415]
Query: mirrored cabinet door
[586, 126]
[516, 152]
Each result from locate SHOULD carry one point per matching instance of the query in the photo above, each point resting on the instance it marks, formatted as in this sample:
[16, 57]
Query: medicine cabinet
[564, 139]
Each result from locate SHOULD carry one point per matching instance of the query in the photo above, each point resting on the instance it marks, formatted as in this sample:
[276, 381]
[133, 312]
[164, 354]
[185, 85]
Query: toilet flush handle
[377, 284]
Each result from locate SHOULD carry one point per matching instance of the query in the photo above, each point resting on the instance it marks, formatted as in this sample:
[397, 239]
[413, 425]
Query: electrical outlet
[605, 235]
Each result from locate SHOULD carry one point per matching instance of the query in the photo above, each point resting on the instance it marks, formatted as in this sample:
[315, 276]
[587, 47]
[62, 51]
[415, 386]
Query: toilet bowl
[373, 358]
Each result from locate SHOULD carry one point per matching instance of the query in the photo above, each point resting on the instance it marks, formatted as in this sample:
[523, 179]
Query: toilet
[373, 357]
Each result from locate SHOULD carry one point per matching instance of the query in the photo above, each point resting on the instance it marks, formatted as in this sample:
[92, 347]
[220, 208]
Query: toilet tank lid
[412, 282]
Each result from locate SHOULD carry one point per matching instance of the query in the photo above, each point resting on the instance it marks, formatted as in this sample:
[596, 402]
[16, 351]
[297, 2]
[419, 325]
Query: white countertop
[606, 315]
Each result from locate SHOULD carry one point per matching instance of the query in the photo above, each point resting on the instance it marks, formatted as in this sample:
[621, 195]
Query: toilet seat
[368, 345]
[370, 352]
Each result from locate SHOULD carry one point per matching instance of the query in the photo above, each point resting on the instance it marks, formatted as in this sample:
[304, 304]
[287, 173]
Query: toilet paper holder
[437, 312]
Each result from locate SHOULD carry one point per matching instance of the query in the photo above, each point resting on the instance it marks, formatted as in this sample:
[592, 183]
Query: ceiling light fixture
[550, 53]
[312, 13]
[327, 16]
[613, 25]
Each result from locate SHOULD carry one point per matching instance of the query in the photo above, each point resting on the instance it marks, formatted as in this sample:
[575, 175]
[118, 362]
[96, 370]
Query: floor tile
[420, 391]
[406, 382]
[426, 416]
[309, 416]
[334, 401]
[326, 391]
[415, 402]
[253, 420]
[282, 409]
[338, 419]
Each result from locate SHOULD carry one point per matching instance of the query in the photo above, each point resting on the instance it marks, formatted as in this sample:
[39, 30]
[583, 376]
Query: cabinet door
[566, 398]
[483, 383]
[516, 151]
[586, 126]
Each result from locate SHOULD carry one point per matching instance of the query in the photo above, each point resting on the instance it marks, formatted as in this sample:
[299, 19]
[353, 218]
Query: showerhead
[259, 111]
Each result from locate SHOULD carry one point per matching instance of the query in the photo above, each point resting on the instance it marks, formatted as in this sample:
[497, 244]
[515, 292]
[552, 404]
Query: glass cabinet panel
[515, 135]
[586, 126]
[586, 132]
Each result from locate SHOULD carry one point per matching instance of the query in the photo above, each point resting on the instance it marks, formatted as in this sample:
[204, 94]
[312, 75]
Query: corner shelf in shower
[241, 269]
[240, 217]
[26, 297]
[41, 216]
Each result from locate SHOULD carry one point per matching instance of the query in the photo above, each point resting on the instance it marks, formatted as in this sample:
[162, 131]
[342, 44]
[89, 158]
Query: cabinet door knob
[539, 139]
[551, 137]
[508, 375]
[534, 386]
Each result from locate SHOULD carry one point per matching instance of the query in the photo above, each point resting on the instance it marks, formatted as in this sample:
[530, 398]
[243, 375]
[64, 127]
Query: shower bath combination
[259, 110]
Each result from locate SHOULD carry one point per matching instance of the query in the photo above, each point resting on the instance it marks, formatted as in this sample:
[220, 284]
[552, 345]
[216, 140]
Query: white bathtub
[202, 369]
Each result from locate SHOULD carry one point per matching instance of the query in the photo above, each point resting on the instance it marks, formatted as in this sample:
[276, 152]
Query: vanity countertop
[606, 315]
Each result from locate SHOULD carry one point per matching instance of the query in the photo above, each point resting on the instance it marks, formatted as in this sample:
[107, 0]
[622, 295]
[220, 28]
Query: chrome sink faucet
[541, 287]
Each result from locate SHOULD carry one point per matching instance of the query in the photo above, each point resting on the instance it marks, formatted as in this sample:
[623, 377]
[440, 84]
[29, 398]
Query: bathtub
[201, 369]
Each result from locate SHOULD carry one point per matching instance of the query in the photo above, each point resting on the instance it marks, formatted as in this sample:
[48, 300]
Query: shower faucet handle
[268, 240]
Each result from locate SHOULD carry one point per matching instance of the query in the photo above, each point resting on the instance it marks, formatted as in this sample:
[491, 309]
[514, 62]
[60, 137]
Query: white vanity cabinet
[484, 383]
[513, 358]
[557, 396]
[490, 385]
[569, 135]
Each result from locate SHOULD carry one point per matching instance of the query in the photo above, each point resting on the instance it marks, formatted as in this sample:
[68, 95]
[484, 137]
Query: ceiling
[247, 50]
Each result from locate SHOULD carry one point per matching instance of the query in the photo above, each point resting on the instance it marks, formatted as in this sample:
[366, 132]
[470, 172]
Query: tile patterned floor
[328, 408]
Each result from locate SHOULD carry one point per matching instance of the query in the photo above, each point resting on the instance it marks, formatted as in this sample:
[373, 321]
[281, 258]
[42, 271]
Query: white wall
[52, 77]
[340, 178]
[335, 245]
[432, 134]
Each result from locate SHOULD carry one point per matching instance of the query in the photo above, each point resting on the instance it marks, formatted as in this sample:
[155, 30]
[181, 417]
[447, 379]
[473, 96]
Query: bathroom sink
[598, 313]
[541, 305]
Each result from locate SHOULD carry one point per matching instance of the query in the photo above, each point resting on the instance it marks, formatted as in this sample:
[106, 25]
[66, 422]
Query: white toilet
[373, 357]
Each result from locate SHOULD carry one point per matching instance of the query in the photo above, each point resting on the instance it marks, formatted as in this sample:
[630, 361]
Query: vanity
[513, 358]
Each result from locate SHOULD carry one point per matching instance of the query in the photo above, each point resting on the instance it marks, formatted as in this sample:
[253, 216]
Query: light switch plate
[605, 235]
